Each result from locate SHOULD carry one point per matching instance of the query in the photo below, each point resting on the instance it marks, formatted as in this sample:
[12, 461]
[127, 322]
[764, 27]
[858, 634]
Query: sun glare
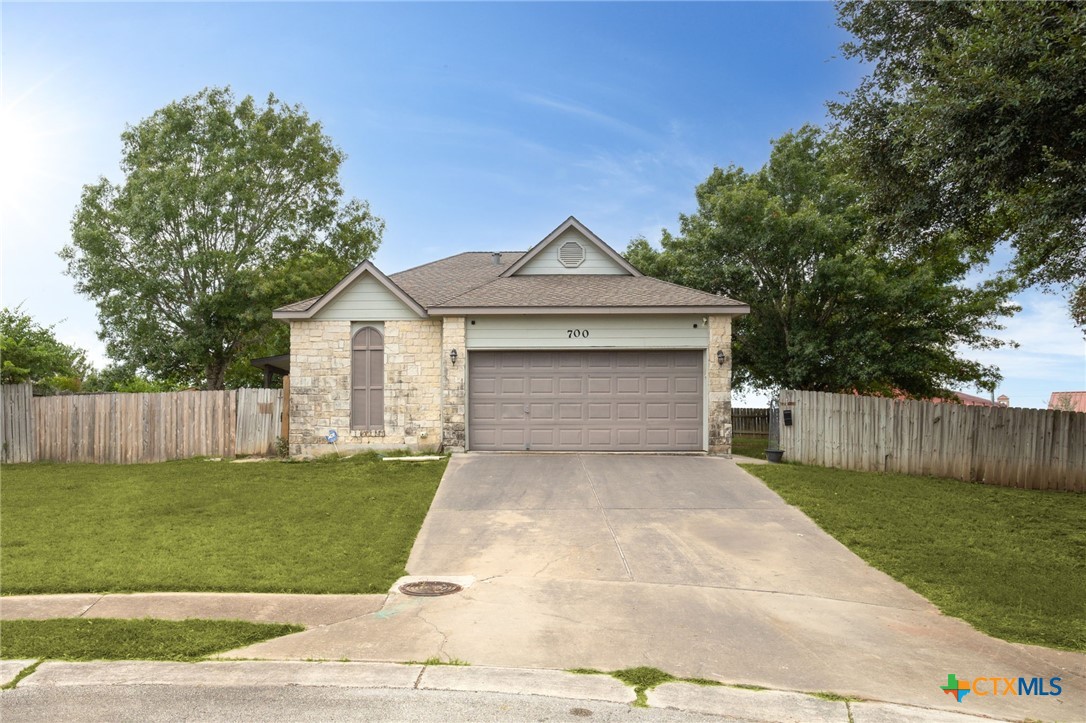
[29, 155]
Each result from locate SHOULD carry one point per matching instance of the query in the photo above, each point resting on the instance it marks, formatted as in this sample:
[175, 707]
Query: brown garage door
[585, 400]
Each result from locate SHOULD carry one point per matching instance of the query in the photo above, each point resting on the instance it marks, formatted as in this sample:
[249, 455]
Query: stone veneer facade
[453, 388]
[320, 387]
[720, 385]
[425, 393]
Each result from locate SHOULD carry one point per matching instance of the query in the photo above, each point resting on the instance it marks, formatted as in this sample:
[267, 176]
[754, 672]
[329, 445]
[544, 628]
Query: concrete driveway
[688, 564]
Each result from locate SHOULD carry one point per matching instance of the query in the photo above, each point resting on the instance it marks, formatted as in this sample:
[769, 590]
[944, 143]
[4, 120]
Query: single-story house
[564, 347]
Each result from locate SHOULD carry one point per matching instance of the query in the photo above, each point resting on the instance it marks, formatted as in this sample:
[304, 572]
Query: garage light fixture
[720, 358]
[452, 355]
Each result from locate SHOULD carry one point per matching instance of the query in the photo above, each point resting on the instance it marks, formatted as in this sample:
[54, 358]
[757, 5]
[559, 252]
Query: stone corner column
[453, 387]
[720, 385]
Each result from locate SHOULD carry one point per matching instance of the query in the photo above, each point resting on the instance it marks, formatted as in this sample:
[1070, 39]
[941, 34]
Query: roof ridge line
[468, 291]
[431, 263]
[446, 258]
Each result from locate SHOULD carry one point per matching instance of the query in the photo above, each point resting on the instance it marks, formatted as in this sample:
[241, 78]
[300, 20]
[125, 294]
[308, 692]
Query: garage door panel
[541, 385]
[598, 438]
[686, 385]
[571, 436]
[571, 385]
[541, 412]
[599, 385]
[514, 360]
[658, 359]
[511, 438]
[600, 410]
[512, 411]
[586, 400]
[542, 438]
[485, 385]
[686, 411]
[656, 412]
[657, 385]
[571, 411]
[687, 437]
[485, 437]
[658, 438]
[484, 411]
[541, 360]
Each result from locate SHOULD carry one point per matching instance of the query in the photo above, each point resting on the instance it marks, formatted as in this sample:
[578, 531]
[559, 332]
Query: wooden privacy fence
[129, 428]
[1029, 448]
[17, 423]
[750, 421]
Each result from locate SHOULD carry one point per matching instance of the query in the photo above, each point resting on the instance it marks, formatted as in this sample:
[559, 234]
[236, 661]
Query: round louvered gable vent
[571, 254]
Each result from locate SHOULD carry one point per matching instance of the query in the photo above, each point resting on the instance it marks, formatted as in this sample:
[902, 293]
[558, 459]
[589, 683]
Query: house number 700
[577, 333]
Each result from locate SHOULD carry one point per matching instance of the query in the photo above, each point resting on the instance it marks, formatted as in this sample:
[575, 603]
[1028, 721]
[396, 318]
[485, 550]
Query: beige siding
[366, 298]
[595, 262]
[604, 332]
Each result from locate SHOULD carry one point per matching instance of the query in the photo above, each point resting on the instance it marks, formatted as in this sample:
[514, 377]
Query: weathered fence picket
[130, 428]
[1028, 448]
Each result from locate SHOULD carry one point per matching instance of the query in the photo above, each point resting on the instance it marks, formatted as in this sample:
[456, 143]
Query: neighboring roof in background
[1068, 401]
[971, 400]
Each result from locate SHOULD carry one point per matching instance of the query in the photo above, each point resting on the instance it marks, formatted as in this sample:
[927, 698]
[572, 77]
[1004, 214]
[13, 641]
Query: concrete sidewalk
[308, 610]
[733, 703]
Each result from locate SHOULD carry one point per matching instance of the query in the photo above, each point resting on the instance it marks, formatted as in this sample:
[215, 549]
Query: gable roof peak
[308, 308]
[571, 223]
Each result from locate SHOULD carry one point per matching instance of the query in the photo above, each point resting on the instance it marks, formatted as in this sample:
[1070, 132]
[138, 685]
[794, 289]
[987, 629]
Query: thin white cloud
[580, 111]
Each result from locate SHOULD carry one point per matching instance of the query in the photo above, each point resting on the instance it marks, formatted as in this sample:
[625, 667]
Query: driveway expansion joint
[88, 608]
[606, 519]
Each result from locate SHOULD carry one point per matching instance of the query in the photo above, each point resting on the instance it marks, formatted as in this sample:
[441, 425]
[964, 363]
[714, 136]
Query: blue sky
[467, 126]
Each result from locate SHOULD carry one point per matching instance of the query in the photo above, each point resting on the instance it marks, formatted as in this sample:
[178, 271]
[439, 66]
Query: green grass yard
[750, 446]
[146, 639]
[344, 526]
[1010, 562]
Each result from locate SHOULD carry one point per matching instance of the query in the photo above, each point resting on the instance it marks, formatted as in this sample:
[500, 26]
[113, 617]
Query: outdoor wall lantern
[452, 355]
[720, 358]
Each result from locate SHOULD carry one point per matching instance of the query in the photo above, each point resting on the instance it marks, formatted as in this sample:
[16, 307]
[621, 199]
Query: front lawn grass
[1010, 562]
[146, 639]
[750, 446]
[316, 527]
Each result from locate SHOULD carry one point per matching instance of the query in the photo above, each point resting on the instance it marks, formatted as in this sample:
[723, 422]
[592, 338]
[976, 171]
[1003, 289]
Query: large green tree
[31, 352]
[227, 209]
[972, 123]
[831, 308]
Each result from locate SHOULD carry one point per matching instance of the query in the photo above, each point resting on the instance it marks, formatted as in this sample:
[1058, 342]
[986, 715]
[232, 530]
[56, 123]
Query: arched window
[368, 380]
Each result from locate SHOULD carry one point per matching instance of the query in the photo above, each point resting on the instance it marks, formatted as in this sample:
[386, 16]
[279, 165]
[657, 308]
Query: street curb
[768, 705]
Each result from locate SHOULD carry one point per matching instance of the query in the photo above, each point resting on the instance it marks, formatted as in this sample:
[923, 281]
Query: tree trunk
[216, 375]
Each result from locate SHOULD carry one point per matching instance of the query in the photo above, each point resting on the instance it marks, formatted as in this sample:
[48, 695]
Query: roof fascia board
[734, 310]
[569, 223]
[363, 268]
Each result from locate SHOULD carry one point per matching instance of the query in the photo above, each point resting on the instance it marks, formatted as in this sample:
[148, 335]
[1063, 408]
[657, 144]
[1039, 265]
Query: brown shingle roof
[583, 291]
[472, 280]
[302, 305]
[437, 281]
